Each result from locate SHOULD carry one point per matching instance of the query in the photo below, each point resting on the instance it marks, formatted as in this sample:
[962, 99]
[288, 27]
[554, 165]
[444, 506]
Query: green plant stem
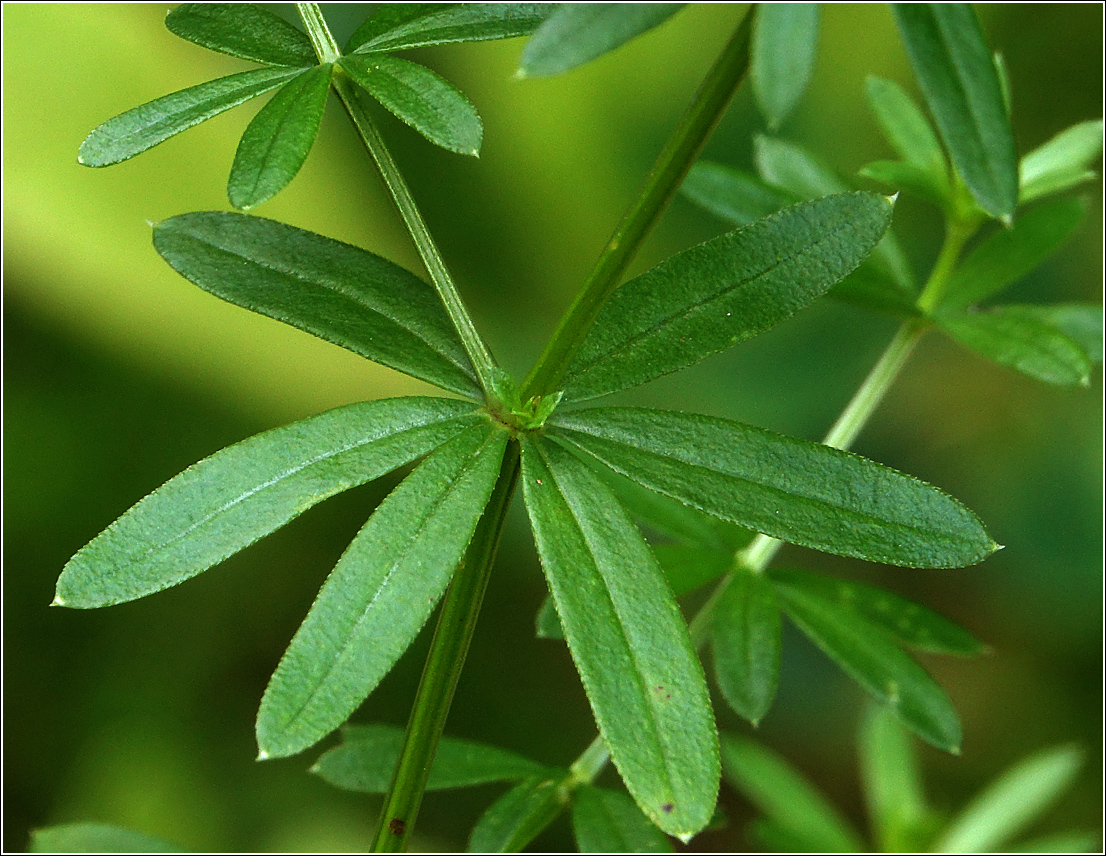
[957, 233]
[661, 185]
[456, 623]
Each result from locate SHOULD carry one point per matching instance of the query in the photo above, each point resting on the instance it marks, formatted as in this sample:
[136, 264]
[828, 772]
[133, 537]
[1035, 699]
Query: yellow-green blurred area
[118, 374]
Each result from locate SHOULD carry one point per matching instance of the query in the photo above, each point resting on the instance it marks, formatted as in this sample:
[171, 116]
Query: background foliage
[119, 374]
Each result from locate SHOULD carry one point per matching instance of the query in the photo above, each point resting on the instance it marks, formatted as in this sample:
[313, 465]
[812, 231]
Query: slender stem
[661, 185]
[456, 623]
[590, 763]
[321, 38]
[957, 233]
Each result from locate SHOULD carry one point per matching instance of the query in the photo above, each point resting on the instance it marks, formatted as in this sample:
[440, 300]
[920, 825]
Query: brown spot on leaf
[667, 807]
[397, 826]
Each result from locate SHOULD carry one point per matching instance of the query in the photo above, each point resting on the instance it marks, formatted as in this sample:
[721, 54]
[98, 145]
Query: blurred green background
[118, 374]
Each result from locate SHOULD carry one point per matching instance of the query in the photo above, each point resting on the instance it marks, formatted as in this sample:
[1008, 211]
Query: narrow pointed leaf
[606, 821]
[577, 33]
[911, 624]
[791, 489]
[245, 30]
[1082, 322]
[745, 638]
[277, 141]
[785, 39]
[1007, 255]
[873, 660]
[957, 76]
[421, 98]
[892, 783]
[732, 194]
[143, 127]
[786, 796]
[517, 817]
[1019, 340]
[96, 838]
[627, 638]
[227, 501]
[413, 25]
[707, 298]
[1062, 162]
[367, 759]
[333, 290]
[907, 130]
[380, 593]
[1012, 802]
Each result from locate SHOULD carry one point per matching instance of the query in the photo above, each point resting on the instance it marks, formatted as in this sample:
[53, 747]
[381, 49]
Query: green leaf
[1012, 802]
[1075, 841]
[786, 796]
[870, 289]
[745, 638]
[909, 623]
[892, 783]
[606, 821]
[96, 838]
[957, 76]
[244, 30]
[707, 298]
[577, 33]
[380, 593]
[227, 501]
[420, 98]
[277, 141]
[872, 659]
[397, 26]
[143, 127]
[1019, 340]
[901, 175]
[333, 290]
[732, 194]
[907, 130]
[791, 489]
[1082, 322]
[785, 39]
[1007, 255]
[1062, 162]
[368, 756]
[516, 818]
[627, 638]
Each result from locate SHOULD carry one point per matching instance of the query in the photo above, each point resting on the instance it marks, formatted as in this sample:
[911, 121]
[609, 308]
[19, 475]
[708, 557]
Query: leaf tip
[58, 601]
[893, 198]
[686, 837]
[521, 73]
[262, 755]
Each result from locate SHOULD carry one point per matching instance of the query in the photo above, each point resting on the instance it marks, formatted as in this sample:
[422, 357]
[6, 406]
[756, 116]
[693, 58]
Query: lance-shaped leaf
[892, 783]
[867, 654]
[517, 817]
[96, 838]
[245, 30]
[606, 821]
[380, 593]
[397, 26]
[707, 298]
[791, 489]
[577, 33]
[1012, 802]
[1009, 254]
[333, 290]
[911, 624]
[1021, 341]
[227, 501]
[785, 38]
[907, 130]
[957, 76]
[732, 194]
[745, 638]
[1061, 163]
[420, 98]
[627, 638]
[786, 797]
[277, 141]
[1082, 322]
[143, 127]
[367, 759]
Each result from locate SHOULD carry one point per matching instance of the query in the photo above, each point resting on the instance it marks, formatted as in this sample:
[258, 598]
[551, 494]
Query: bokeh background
[118, 374]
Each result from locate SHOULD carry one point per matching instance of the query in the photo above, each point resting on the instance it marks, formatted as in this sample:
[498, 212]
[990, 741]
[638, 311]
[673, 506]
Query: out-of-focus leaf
[707, 298]
[745, 638]
[868, 288]
[786, 797]
[957, 76]
[422, 99]
[732, 194]
[513, 820]
[865, 652]
[143, 127]
[368, 756]
[606, 821]
[1080, 321]
[577, 33]
[1012, 802]
[398, 26]
[96, 838]
[380, 593]
[1062, 162]
[1075, 841]
[908, 131]
[785, 40]
[791, 489]
[627, 638]
[227, 501]
[1019, 340]
[900, 175]
[243, 30]
[335, 291]
[278, 139]
[892, 783]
